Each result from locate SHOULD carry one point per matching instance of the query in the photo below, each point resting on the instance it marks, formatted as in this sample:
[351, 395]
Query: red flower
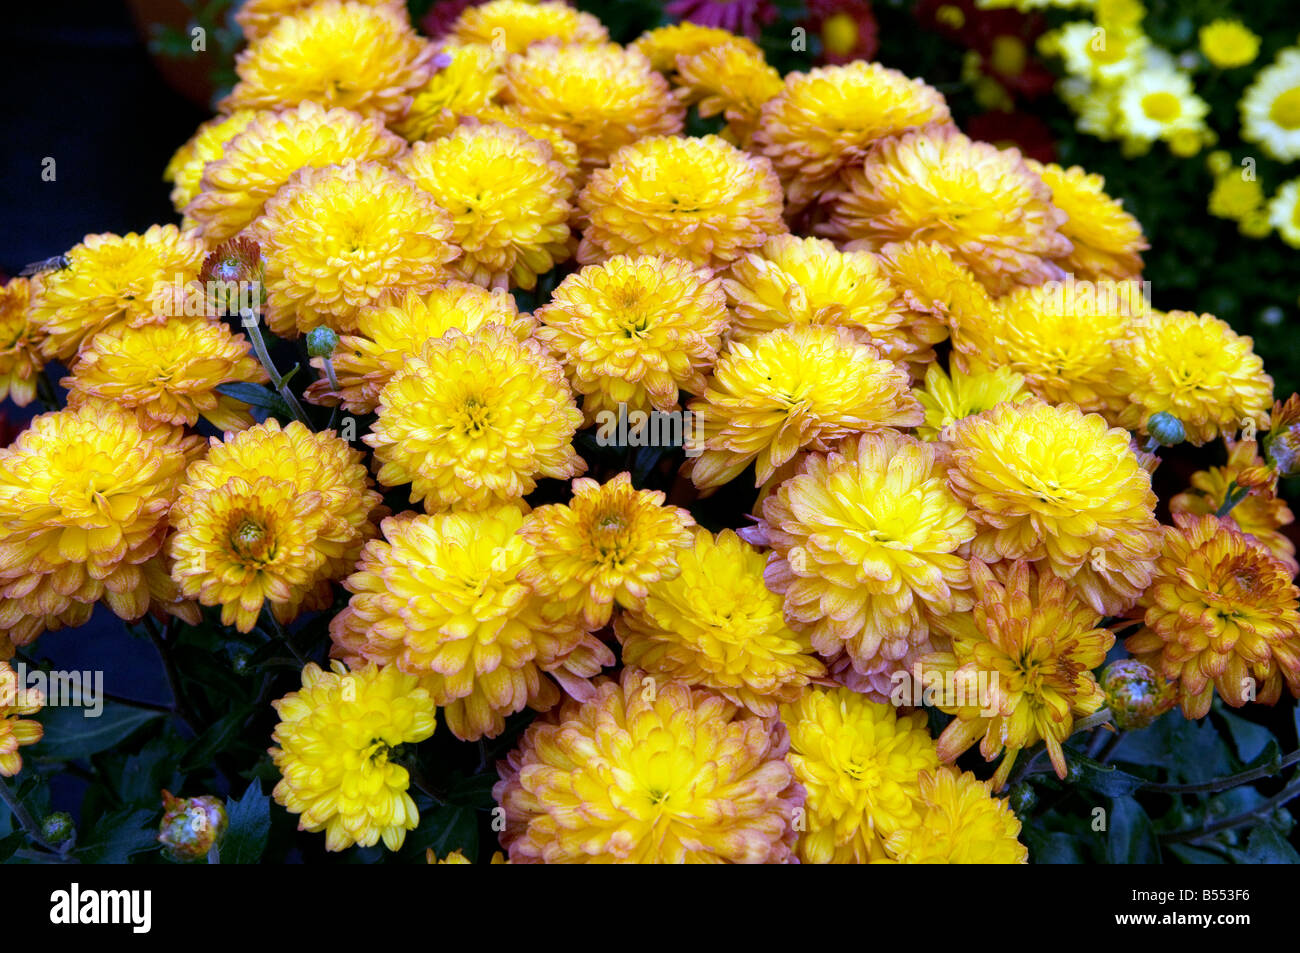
[442, 15]
[1005, 41]
[847, 29]
[738, 16]
[1026, 132]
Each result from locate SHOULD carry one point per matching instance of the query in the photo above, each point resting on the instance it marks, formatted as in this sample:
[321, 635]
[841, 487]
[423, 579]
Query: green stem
[1223, 784]
[25, 819]
[330, 375]
[163, 646]
[1234, 496]
[253, 326]
[1288, 793]
[281, 636]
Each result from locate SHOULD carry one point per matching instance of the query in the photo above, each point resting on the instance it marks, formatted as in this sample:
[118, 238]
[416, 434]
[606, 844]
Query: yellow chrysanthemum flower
[1261, 514]
[564, 151]
[732, 81]
[208, 144]
[1284, 212]
[826, 120]
[508, 198]
[790, 389]
[985, 204]
[1050, 484]
[20, 343]
[701, 199]
[1093, 105]
[649, 773]
[1270, 107]
[1101, 55]
[455, 857]
[337, 239]
[1119, 14]
[716, 625]
[1020, 668]
[256, 163]
[168, 372]
[1228, 43]
[474, 419]
[362, 57]
[937, 291]
[962, 823]
[469, 80]
[1221, 613]
[949, 399]
[257, 17]
[664, 44]
[335, 742]
[1237, 198]
[110, 280]
[1062, 336]
[861, 765]
[270, 517]
[387, 334]
[1107, 240]
[633, 331]
[514, 25]
[601, 97]
[1196, 368]
[441, 597]
[796, 281]
[15, 731]
[604, 547]
[84, 496]
[1160, 104]
[865, 545]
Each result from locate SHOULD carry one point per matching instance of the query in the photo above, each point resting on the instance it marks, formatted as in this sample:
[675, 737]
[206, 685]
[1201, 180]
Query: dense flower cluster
[925, 365]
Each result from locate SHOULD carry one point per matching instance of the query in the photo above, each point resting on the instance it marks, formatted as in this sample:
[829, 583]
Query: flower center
[950, 16]
[840, 34]
[1162, 106]
[1286, 109]
[1009, 55]
[249, 540]
[474, 416]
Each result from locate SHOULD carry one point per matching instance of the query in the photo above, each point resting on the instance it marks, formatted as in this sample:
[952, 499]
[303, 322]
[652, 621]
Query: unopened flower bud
[1284, 451]
[191, 826]
[58, 828]
[1166, 429]
[322, 341]
[233, 275]
[1022, 798]
[1135, 693]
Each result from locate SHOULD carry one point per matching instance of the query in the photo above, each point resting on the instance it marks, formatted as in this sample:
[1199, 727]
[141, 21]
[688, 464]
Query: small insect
[57, 263]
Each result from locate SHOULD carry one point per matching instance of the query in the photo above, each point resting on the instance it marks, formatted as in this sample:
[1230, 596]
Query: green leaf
[250, 825]
[10, 844]
[1104, 778]
[119, 835]
[1191, 751]
[215, 739]
[1194, 855]
[474, 791]
[1054, 847]
[1266, 846]
[443, 828]
[1130, 835]
[70, 733]
[1248, 738]
[257, 396]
